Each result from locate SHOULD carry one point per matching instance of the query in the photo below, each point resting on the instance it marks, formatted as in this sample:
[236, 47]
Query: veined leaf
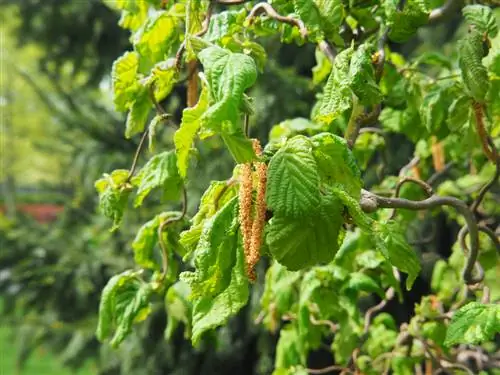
[139, 113]
[473, 323]
[124, 300]
[229, 75]
[362, 77]
[293, 180]
[165, 77]
[482, 17]
[459, 113]
[279, 293]
[219, 285]
[289, 351]
[155, 39]
[146, 240]
[301, 242]
[391, 242]
[159, 171]
[225, 24]
[322, 68]
[405, 23]
[337, 96]
[134, 14]
[474, 73]
[214, 198]
[179, 309]
[113, 195]
[336, 163]
[191, 123]
[125, 81]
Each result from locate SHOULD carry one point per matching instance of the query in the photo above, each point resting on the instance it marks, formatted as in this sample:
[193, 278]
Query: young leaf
[393, 245]
[473, 71]
[298, 243]
[229, 75]
[473, 323]
[337, 96]
[113, 195]
[124, 300]
[219, 285]
[124, 80]
[164, 75]
[225, 24]
[147, 239]
[191, 123]
[293, 180]
[159, 171]
[179, 309]
[482, 17]
[139, 112]
[289, 351]
[336, 163]
[362, 77]
[155, 39]
[405, 23]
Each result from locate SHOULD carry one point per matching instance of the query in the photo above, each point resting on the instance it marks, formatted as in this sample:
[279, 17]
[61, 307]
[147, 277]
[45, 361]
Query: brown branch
[203, 31]
[164, 224]
[478, 109]
[321, 322]
[271, 12]
[137, 154]
[327, 50]
[365, 118]
[325, 370]
[475, 205]
[370, 202]
[431, 180]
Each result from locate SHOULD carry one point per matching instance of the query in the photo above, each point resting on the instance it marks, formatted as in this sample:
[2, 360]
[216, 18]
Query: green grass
[40, 363]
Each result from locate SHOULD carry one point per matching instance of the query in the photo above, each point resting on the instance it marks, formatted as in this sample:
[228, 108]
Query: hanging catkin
[252, 228]
[245, 214]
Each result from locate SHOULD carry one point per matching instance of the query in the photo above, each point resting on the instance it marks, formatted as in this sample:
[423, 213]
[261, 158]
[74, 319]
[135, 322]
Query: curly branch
[444, 11]
[271, 12]
[371, 202]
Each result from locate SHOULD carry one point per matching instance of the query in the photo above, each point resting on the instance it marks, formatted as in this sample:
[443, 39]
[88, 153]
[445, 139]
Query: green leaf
[215, 197]
[404, 24]
[159, 171]
[229, 75]
[289, 349]
[474, 323]
[393, 245]
[293, 180]
[179, 309]
[279, 293]
[219, 285]
[459, 113]
[336, 163]
[322, 68]
[298, 243]
[155, 39]
[164, 75]
[124, 300]
[482, 17]
[225, 24]
[133, 15]
[362, 77]
[474, 73]
[337, 96]
[139, 112]
[360, 282]
[191, 123]
[124, 80]
[113, 193]
[435, 106]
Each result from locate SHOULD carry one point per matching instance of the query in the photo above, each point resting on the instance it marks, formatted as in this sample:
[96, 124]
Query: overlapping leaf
[124, 300]
[482, 18]
[113, 193]
[474, 323]
[293, 180]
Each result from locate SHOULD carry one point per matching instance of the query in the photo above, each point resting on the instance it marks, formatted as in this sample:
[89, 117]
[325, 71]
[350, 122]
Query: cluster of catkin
[252, 216]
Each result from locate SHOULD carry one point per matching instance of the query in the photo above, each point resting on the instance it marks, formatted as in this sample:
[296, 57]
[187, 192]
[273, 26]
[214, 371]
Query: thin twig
[370, 202]
[137, 154]
[475, 205]
[324, 370]
[431, 180]
[328, 50]
[321, 322]
[488, 149]
[203, 31]
[412, 163]
[164, 224]
[425, 187]
[271, 12]
[367, 117]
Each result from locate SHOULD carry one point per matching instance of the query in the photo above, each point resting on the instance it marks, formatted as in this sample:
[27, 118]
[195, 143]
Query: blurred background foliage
[60, 133]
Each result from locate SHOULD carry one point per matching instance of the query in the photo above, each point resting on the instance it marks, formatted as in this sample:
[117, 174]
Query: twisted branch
[271, 12]
[370, 202]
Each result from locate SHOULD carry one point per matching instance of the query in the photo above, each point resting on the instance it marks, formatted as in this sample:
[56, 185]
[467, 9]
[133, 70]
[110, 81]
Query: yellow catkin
[260, 214]
[245, 214]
